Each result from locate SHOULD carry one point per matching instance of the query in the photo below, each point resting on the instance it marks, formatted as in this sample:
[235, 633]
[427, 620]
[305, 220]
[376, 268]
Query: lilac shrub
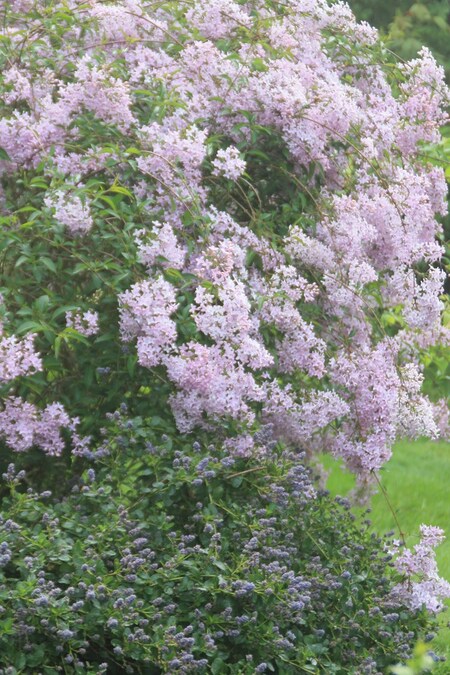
[246, 183]
[221, 213]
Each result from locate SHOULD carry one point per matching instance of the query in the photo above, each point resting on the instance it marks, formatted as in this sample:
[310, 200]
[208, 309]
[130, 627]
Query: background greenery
[407, 26]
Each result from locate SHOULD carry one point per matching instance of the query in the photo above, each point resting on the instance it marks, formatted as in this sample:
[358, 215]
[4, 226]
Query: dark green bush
[172, 556]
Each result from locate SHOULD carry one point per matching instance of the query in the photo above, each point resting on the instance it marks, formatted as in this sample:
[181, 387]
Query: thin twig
[391, 508]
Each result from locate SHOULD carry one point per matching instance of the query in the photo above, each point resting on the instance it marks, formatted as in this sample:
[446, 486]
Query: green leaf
[42, 303]
[173, 274]
[21, 259]
[57, 345]
[29, 327]
[131, 365]
[25, 209]
[20, 660]
[121, 190]
[259, 65]
[218, 666]
[108, 201]
[6, 626]
[49, 264]
[36, 657]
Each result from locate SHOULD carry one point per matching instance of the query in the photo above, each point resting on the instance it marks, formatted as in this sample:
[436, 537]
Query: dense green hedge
[170, 556]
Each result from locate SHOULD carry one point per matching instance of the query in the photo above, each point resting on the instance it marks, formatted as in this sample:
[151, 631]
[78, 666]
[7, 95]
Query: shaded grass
[417, 481]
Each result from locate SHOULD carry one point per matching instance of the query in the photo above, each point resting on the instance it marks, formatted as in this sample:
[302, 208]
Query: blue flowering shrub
[171, 556]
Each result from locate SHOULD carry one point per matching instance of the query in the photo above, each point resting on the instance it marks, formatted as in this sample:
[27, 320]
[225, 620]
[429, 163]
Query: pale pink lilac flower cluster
[229, 163]
[212, 382]
[145, 314]
[23, 425]
[385, 403]
[219, 380]
[172, 155]
[422, 303]
[30, 136]
[160, 245]
[298, 423]
[70, 211]
[86, 323]
[96, 90]
[18, 357]
[118, 22]
[422, 586]
[442, 419]
[300, 348]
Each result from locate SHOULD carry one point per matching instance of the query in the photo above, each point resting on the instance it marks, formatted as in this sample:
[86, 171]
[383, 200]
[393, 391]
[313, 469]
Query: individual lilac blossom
[229, 163]
[86, 323]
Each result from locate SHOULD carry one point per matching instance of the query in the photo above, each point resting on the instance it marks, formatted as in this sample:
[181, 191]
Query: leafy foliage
[171, 557]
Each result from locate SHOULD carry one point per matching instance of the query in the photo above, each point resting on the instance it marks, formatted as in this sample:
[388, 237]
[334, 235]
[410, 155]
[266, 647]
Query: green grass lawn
[417, 480]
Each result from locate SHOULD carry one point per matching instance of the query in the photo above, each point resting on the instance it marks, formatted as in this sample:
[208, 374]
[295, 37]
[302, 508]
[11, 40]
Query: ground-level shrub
[172, 556]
